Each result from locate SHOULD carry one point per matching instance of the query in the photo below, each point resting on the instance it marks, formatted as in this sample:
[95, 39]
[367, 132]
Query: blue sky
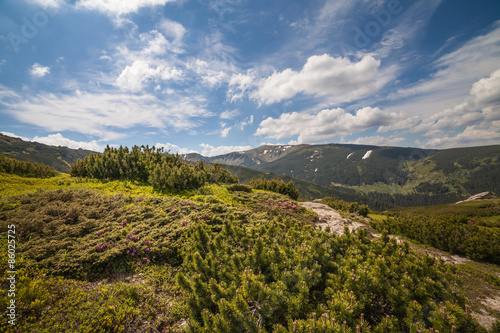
[225, 75]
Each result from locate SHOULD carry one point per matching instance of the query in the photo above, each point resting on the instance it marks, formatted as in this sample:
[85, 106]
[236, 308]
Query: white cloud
[244, 123]
[39, 71]
[2, 63]
[229, 114]
[174, 149]
[486, 133]
[101, 114]
[326, 124]
[212, 73]
[483, 105]
[118, 7]
[240, 85]
[339, 78]
[133, 77]
[12, 135]
[148, 60]
[48, 3]
[176, 32]
[224, 132]
[377, 141]
[454, 74]
[209, 150]
[59, 140]
[487, 90]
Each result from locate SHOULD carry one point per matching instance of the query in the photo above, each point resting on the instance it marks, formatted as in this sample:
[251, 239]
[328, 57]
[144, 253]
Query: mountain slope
[405, 176]
[57, 157]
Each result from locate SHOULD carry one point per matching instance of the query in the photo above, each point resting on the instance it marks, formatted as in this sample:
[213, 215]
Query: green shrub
[276, 185]
[26, 169]
[287, 277]
[239, 187]
[163, 171]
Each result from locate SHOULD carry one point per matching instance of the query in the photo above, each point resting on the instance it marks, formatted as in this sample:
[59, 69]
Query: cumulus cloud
[39, 71]
[146, 63]
[117, 7]
[12, 135]
[483, 105]
[174, 149]
[240, 85]
[486, 133]
[377, 141]
[133, 77]
[487, 90]
[59, 140]
[326, 124]
[339, 78]
[209, 150]
[480, 116]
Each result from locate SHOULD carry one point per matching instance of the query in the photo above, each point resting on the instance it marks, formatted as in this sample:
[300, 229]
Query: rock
[328, 217]
[480, 196]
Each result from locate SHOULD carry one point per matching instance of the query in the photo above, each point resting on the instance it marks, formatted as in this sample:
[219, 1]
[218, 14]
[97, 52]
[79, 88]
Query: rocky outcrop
[480, 196]
[328, 217]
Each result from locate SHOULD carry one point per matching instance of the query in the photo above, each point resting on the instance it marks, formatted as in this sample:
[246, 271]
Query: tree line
[276, 185]
[149, 165]
[26, 169]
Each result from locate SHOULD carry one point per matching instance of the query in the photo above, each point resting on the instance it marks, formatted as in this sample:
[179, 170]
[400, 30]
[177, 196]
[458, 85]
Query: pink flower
[139, 263]
[147, 249]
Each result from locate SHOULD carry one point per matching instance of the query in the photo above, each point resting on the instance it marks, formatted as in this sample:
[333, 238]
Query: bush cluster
[448, 233]
[26, 169]
[276, 185]
[163, 171]
[351, 207]
[286, 277]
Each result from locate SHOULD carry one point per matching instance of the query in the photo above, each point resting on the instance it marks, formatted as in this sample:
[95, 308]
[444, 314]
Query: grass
[377, 217]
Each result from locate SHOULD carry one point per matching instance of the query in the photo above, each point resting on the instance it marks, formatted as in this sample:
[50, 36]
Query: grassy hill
[121, 256]
[58, 158]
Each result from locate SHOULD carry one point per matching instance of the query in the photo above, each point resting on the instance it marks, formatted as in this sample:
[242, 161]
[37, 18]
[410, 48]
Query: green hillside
[58, 158]
[104, 255]
[393, 175]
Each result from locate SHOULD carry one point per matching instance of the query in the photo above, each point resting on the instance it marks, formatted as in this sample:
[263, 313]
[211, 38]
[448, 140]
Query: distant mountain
[57, 157]
[308, 190]
[400, 176]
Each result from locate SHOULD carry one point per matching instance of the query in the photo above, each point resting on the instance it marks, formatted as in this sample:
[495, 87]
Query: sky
[217, 76]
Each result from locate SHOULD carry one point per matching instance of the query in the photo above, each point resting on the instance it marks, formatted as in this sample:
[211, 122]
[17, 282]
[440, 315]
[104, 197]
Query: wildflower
[145, 259]
[147, 249]
[139, 264]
